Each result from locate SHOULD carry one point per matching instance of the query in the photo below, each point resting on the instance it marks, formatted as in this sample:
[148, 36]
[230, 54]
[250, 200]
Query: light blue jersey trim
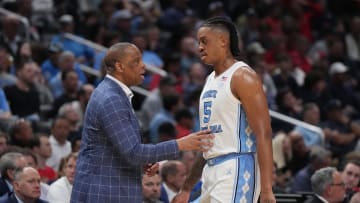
[239, 127]
[248, 143]
[245, 179]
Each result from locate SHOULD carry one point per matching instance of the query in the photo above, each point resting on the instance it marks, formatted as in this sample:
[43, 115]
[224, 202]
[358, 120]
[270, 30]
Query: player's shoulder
[244, 72]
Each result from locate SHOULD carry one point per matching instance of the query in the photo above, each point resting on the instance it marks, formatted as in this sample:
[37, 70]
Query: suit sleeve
[121, 127]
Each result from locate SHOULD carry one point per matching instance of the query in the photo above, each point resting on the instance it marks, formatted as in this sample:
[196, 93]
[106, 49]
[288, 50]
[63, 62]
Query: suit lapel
[112, 84]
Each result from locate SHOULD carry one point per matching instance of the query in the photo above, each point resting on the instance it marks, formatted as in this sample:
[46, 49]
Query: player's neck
[223, 65]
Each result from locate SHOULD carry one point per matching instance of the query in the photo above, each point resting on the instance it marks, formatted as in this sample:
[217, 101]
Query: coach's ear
[119, 67]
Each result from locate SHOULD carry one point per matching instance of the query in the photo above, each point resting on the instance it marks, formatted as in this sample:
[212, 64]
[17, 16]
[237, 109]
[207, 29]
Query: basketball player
[238, 168]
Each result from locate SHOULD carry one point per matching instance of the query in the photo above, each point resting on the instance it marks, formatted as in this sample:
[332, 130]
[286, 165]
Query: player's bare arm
[247, 87]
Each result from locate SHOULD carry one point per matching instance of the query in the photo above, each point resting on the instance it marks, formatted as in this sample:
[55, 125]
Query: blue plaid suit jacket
[111, 154]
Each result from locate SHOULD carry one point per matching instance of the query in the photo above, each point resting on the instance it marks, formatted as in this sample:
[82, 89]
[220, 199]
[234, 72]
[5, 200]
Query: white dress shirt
[60, 191]
[171, 194]
[58, 152]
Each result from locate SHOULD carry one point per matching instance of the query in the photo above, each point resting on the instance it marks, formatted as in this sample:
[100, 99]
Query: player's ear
[224, 40]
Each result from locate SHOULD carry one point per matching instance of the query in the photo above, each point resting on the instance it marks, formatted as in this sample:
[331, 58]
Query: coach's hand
[181, 197]
[199, 141]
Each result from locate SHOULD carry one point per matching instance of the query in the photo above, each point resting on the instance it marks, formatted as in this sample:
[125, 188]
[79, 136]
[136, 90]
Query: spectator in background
[320, 49]
[269, 87]
[149, 57]
[289, 105]
[82, 53]
[21, 133]
[166, 131]
[285, 79]
[173, 174]
[184, 122]
[299, 54]
[216, 8]
[172, 103]
[319, 158]
[346, 131]
[3, 142]
[6, 78]
[300, 152]
[311, 115]
[154, 37]
[276, 46]
[315, 88]
[172, 18]
[327, 186]
[70, 84]
[108, 39]
[255, 52]
[172, 67]
[42, 148]
[26, 187]
[46, 97]
[193, 79]
[151, 188]
[283, 178]
[352, 39]
[153, 103]
[60, 190]
[10, 35]
[60, 146]
[9, 162]
[66, 63]
[341, 88]
[75, 144]
[29, 157]
[31, 161]
[5, 113]
[106, 8]
[121, 22]
[23, 98]
[50, 67]
[282, 150]
[24, 53]
[68, 111]
[188, 53]
[337, 52]
[193, 105]
[79, 105]
[350, 175]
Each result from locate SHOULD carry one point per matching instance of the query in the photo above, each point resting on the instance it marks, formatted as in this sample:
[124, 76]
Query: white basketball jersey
[223, 113]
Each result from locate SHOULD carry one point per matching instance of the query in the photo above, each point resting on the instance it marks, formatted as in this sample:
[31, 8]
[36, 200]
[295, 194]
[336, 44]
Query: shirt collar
[18, 199]
[321, 198]
[126, 89]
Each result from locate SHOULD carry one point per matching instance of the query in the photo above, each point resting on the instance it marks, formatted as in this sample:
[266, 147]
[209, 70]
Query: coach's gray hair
[321, 179]
[7, 161]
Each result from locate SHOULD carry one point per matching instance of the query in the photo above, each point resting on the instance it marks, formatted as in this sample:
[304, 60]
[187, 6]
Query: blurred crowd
[307, 53]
